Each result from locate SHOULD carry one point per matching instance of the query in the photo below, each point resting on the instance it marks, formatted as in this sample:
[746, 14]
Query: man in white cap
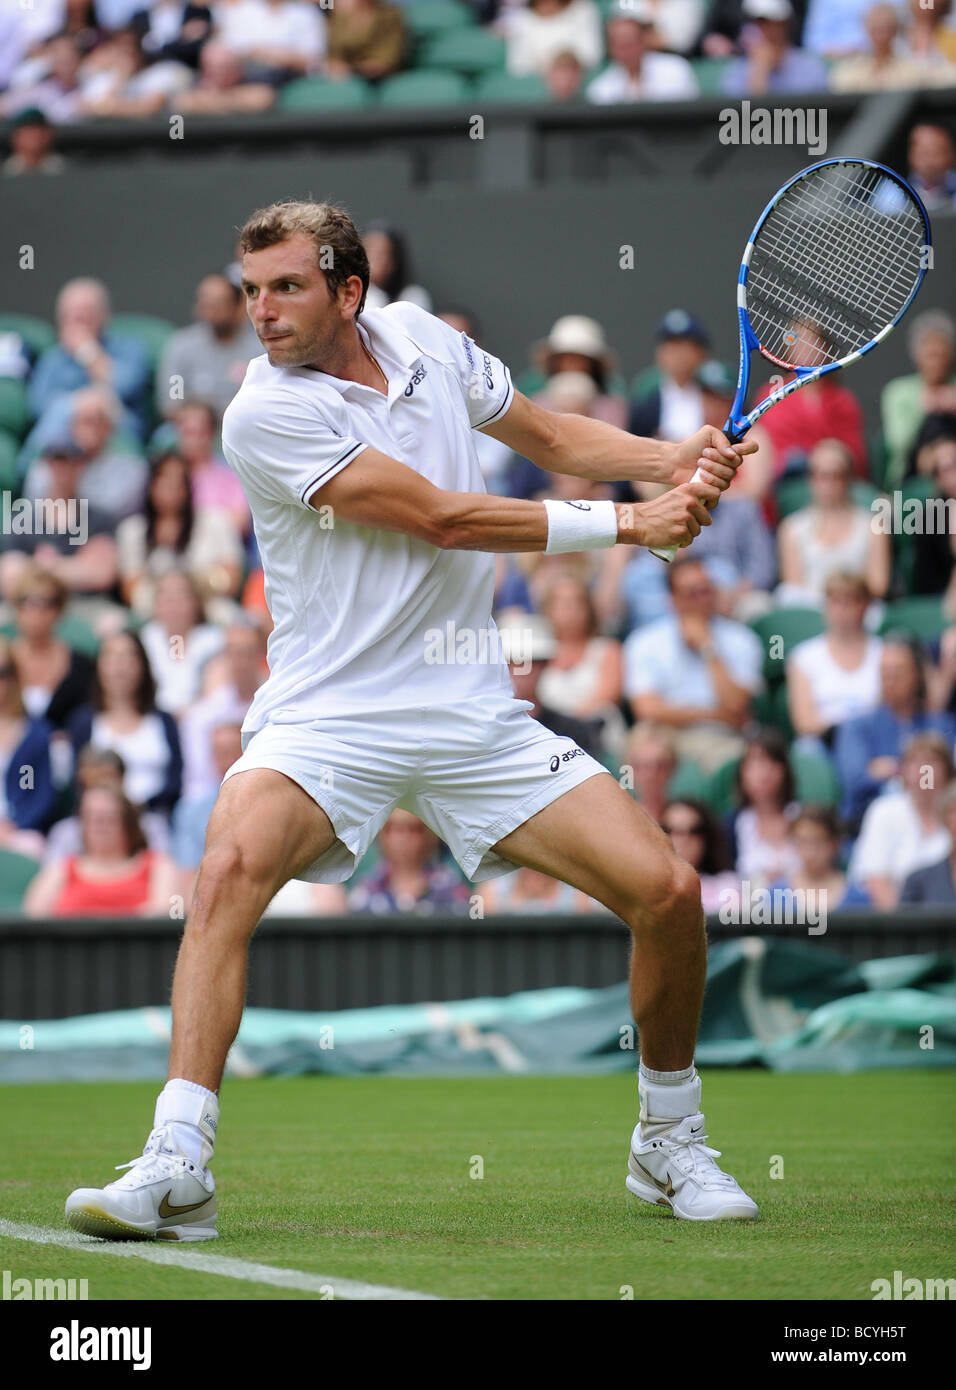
[636, 73]
[773, 66]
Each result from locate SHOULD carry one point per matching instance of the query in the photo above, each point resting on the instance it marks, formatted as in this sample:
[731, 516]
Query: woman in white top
[584, 677]
[832, 533]
[766, 793]
[836, 676]
[178, 642]
[537, 34]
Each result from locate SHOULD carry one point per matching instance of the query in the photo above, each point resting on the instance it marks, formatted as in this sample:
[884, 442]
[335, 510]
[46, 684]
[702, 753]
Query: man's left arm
[584, 448]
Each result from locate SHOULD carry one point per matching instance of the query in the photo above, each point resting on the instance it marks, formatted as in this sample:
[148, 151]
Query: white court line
[223, 1265]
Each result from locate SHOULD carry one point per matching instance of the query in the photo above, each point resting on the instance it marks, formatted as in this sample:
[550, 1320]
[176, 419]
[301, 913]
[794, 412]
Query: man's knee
[671, 899]
[233, 871]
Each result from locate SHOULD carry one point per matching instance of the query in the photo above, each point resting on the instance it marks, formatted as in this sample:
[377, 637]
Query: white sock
[667, 1097]
[191, 1115]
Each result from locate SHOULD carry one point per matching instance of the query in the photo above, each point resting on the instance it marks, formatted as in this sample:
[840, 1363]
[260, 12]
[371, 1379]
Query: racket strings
[833, 264]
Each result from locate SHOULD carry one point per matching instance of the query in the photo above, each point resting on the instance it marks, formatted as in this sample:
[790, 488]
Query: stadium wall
[61, 969]
[521, 226]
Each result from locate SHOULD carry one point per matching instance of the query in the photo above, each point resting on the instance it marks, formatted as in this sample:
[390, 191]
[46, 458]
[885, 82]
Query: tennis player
[352, 437]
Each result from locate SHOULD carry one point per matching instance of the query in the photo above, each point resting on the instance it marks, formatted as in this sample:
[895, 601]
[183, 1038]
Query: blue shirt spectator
[835, 28]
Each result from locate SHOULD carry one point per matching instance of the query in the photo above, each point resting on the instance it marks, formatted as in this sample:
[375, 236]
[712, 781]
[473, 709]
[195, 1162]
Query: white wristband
[580, 526]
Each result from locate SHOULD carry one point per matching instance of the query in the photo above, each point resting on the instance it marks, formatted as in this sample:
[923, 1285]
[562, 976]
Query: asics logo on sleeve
[416, 380]
[489, 379]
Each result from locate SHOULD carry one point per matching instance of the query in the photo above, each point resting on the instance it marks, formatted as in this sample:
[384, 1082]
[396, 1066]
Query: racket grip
[667, 553]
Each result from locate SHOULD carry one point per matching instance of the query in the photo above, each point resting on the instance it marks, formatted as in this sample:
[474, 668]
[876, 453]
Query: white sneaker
[677, 1170]
[164, 1196]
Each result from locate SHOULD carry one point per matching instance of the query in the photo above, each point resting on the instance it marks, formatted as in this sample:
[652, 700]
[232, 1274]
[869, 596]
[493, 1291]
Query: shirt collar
[396, 353]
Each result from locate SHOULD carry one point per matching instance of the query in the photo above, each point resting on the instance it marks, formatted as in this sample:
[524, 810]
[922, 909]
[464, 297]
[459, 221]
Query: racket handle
[668, 552]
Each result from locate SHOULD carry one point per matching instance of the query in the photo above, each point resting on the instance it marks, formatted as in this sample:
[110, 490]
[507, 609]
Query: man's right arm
[377, 491]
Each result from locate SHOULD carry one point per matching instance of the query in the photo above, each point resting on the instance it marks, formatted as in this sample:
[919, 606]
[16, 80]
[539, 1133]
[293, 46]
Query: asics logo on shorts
[560, 758]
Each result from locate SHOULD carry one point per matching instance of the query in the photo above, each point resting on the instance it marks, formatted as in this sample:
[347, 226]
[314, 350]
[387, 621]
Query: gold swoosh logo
[166, 1210]
[666, 1187]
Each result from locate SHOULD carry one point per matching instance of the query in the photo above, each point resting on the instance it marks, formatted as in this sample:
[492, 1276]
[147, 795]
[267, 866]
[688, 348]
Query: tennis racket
[833, 264]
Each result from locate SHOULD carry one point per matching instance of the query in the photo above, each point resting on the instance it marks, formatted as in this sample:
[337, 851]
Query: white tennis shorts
[473, 773]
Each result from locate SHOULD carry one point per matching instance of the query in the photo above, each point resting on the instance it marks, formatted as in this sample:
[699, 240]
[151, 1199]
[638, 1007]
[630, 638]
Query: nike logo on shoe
[165, 1209]
[666, 1187]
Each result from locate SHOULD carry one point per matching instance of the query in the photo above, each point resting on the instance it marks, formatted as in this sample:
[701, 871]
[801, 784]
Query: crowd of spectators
[64, 61]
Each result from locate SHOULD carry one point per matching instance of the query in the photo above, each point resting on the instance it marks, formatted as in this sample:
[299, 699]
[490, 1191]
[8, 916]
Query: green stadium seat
[922, 615]
[9, 467]
[467, 51]
[710, 74]
[791, 494]
[504, 87]
[16, 871]
[321, 94]
[78, 634]
[149, 331]
[427, 17]
[424, 89]
[688, 780]
[792, 625]
[14, 411]
[816, 779]
[720, 788]
[36, 333]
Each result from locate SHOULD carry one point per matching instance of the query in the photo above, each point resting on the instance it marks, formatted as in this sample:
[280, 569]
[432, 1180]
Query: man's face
[626, 42]
[195, 432]
[931, 153]
[81, 307]
[244, 653]
[215, 303]
[91, 427]
[693, 591]
[32, 142]
[680, 357]
[933, 355]
[289, 304]
[899, 677]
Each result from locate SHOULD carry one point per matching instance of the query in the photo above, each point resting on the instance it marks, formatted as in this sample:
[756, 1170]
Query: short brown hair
[330, 227]
[32, 577]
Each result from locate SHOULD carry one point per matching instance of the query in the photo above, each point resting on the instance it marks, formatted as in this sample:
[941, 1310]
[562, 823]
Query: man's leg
[598, 839]
[263, 829]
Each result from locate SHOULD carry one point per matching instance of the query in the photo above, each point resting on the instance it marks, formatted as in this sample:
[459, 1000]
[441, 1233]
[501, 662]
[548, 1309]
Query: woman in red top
[116, 875]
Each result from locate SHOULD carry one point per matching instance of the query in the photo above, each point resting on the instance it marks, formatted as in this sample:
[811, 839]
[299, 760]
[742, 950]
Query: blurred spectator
[494, 457]
[545, 28]
[932, 166]
[935, 886]
[884, 68]
[192, 812]
[530, 892]
[220, 89]
[115, 875]
[819, 410]
[410, 878]
[241, 670]
[273, 39]
[907, 400]
[697, 837]
[668, 401]
[207, 361]
[815, 838]
[718, 386]
[55, 87]
[903, 831]
[113, 478]
[935, 552]
[832, 533]
[31, 145]
[55, 679]
[367, 38]
[122, 715]
[100, 767]
[79, 550]
[389, 270]
[578, 344]
[213, 482]
[566, 393]
[583, 677]
[867, 749]
[565, 77]
[836, 676]
[636, 72]
[929, 39]
[178, 640]
[766, 796]
[118, 81]
[694, 671]
[172, 30]
[527, 644]
[651, 756]
[677, 23]
[89, 352]
[27, 796]
[772, 66]
[837, 30]
[170, 533]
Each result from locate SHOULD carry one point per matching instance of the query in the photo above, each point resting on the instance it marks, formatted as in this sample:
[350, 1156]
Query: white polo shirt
[368, 620]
